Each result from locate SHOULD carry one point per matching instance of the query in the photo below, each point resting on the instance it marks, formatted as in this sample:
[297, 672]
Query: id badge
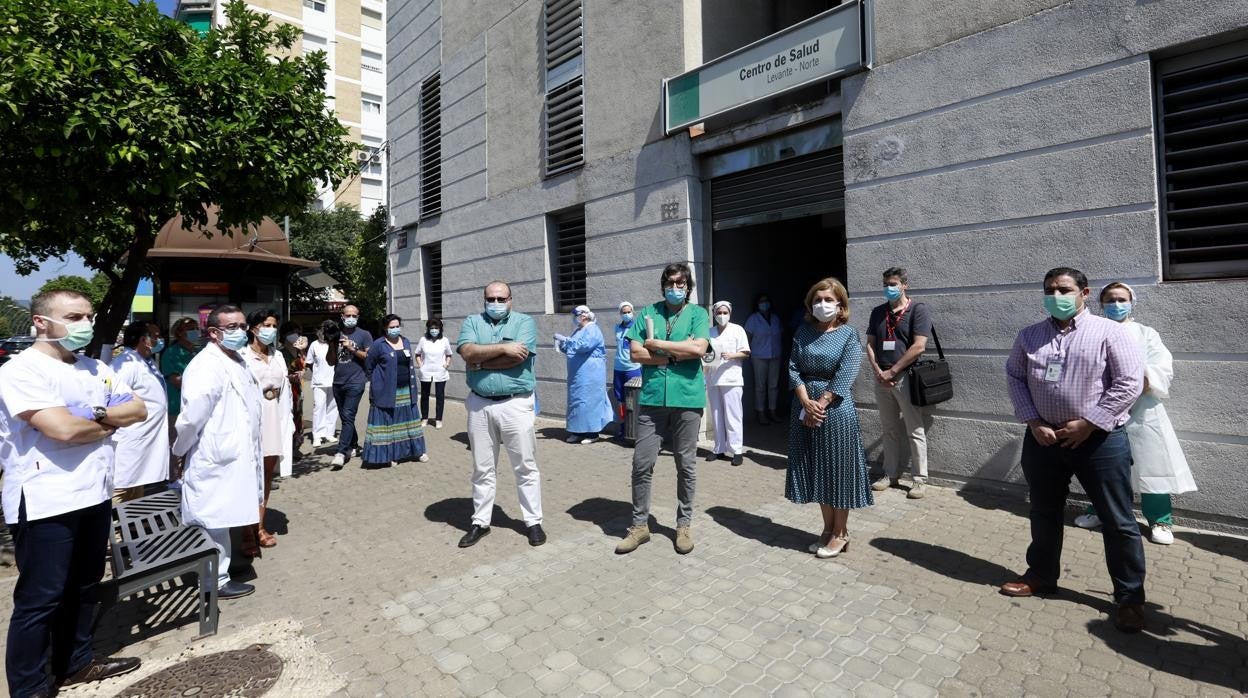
[889, 345]
[1053, 372]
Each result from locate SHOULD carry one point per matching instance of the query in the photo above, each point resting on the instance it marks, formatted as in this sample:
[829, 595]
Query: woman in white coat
[277, 427]
[725, 383]
[1159, 467]
[322, 360]
[218, 440]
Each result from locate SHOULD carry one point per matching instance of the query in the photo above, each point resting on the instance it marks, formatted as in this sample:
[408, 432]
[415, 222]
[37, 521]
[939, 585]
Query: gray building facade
[986, 143]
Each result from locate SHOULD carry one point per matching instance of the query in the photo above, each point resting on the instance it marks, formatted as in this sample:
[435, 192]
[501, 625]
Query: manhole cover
[242, 673]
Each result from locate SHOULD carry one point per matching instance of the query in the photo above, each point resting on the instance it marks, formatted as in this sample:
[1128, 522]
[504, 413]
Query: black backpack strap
[935, 337]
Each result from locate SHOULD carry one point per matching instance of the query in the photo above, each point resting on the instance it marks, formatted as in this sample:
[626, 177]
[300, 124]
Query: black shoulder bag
[930, 379]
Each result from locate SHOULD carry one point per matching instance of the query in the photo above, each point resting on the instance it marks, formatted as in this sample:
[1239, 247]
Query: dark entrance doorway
[782, 259]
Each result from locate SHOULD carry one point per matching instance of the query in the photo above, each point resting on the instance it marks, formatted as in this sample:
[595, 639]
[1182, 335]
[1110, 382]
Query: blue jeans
[60, 562]
[1103, 466]
[348, 397]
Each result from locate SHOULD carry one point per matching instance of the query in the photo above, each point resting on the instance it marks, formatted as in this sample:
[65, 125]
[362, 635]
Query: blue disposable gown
[589, 409]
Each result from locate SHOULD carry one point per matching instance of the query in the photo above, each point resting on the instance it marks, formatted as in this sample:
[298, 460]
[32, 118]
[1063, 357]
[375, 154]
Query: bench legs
[208, 596]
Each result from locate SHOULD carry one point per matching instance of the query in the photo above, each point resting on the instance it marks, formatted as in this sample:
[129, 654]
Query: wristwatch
[99, 413]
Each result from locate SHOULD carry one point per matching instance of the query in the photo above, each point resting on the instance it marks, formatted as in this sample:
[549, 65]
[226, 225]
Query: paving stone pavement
[367, 565]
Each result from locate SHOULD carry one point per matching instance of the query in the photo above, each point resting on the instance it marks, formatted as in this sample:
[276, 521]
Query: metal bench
[150, 545]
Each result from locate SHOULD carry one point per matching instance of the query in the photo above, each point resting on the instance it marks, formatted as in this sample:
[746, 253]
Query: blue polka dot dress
[827, 464]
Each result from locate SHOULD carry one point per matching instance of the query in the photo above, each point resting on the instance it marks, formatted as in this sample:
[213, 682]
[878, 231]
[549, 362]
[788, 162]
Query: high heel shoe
[819, 543]
[836, 547]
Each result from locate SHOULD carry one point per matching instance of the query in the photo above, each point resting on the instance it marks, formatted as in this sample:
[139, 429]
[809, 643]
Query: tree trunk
[113, 311]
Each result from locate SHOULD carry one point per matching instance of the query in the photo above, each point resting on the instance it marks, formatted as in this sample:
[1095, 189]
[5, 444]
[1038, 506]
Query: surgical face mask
[234, 339]
[1117, 310]
[825, 311]
[350, 322]
[892, 293]
[626, 317]
[764, 306]
[193, 336]
[674, 295]
[78, 334]
[158, 347]
[393, 332]
[434, 332]
[292, 338]
[267, 335]
[496, 311]
[721, 320]
[1061, 307]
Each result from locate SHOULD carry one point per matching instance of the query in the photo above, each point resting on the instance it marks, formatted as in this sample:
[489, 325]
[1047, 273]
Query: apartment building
[575, 147]
[352, 35]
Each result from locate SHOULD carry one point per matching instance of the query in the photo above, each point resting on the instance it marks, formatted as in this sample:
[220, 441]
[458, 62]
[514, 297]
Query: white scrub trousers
[726, 417]
[324, 412]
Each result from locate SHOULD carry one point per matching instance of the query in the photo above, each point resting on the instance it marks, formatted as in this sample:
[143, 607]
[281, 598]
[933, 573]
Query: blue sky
[23, 287]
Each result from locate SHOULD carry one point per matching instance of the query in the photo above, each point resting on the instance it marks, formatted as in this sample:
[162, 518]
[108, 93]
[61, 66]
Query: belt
[500, 398]
[272, 393]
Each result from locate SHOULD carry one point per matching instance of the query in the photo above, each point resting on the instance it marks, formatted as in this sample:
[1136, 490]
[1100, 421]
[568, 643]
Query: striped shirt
[1100, 377]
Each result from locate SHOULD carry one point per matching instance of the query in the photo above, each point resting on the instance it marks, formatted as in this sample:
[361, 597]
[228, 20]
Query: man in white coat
[143, 448]
[218, 441]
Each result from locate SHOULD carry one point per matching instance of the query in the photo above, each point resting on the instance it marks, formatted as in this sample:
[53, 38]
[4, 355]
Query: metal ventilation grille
[1203, 107]
[563, 31]
[431, 146]
[433, 278]
[793, 188]
[565, 127]
[570, 260]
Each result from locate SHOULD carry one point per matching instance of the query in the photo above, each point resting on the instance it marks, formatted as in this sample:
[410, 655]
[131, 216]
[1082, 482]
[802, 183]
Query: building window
[431, 264]
[566, 232]
[370, 103]
[312, 42]
[400, 239]
[564, 112]
[370, 18]
[314, 5]
[370, 157]
[431, 146]
[371, 61]
[1202, 105]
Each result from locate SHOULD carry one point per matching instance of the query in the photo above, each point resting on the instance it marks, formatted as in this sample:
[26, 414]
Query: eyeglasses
[233, 326]
[354, 316]
[497, 299]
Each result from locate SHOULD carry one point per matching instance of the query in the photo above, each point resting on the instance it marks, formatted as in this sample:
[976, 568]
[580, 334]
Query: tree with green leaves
[350, 249]
[96, 288]
[115, 118]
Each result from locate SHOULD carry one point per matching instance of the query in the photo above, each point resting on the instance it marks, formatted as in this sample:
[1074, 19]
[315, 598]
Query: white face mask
[825, 311]
[721, 320]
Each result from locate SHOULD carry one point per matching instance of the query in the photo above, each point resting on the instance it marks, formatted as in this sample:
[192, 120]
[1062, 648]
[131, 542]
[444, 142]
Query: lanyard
[672, 320]
[892, 321]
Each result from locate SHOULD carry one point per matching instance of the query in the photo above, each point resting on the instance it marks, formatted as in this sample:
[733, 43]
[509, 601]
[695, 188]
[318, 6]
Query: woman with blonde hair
[827, 464]
[1159, 468]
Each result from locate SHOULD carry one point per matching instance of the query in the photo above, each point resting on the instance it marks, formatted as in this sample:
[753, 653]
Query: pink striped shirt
[1101, 376]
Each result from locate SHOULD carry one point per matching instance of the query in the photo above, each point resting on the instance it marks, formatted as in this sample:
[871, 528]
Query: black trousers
[60, 562]
[425, 387]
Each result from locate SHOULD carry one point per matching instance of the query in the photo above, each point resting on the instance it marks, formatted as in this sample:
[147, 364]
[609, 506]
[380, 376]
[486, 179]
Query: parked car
[13, 346]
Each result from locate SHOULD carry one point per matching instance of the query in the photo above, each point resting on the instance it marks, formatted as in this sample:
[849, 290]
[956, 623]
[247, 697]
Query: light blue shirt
[495, 382]
[623, 349]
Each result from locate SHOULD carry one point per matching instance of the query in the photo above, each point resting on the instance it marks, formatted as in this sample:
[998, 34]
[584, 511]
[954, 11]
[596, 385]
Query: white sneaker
[424, 458]
[588, 440]
[1162, 534]
[339, 460]
[438, 425]
[317, 441]
[572, 439]
[1088, 521]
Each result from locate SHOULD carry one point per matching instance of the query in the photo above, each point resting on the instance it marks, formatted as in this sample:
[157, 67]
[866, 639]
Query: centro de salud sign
[828, 45]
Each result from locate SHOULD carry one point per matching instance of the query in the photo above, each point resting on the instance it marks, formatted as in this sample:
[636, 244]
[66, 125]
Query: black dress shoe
[712, 457]
[1129, 618]
[235, 590]
[536, 535]
[473, 535]
[100, 669]
[736, 459]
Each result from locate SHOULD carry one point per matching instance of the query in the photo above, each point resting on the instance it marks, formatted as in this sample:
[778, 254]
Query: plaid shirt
[1101, 376]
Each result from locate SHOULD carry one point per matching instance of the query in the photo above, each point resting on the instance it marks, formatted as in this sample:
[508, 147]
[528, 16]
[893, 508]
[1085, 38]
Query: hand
[82, 412]
[814, 408]
[516, 351]
[889, 376]
[652, 346]
[812, 421]
[1075, 432]
[882, 380]
[1044, 434]
[560, 339]
[115, 399]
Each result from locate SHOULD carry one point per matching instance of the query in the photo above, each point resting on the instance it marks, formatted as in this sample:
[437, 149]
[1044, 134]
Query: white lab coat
[1159, 465]
[219, 436]
[143, 448]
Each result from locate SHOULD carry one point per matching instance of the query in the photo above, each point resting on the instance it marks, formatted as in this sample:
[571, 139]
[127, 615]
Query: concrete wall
[994, 141]
[494, 199]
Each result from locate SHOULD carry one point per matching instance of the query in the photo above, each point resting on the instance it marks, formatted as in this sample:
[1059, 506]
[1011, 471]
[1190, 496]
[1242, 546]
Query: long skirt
[394, 433]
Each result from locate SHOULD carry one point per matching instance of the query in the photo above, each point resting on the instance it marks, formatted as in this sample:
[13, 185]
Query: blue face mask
[764, 306]
[496, 311]
[434, 332]
[393, 332]
[626, 318]
[193, 336]
[234, 339]
[158, 346]
[892, 293]
[1118, 310]
[350, 322]
[674, 295]
[267, 335]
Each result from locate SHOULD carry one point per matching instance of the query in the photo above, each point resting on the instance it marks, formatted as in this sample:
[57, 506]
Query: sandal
[266, 539]
[824, 539]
